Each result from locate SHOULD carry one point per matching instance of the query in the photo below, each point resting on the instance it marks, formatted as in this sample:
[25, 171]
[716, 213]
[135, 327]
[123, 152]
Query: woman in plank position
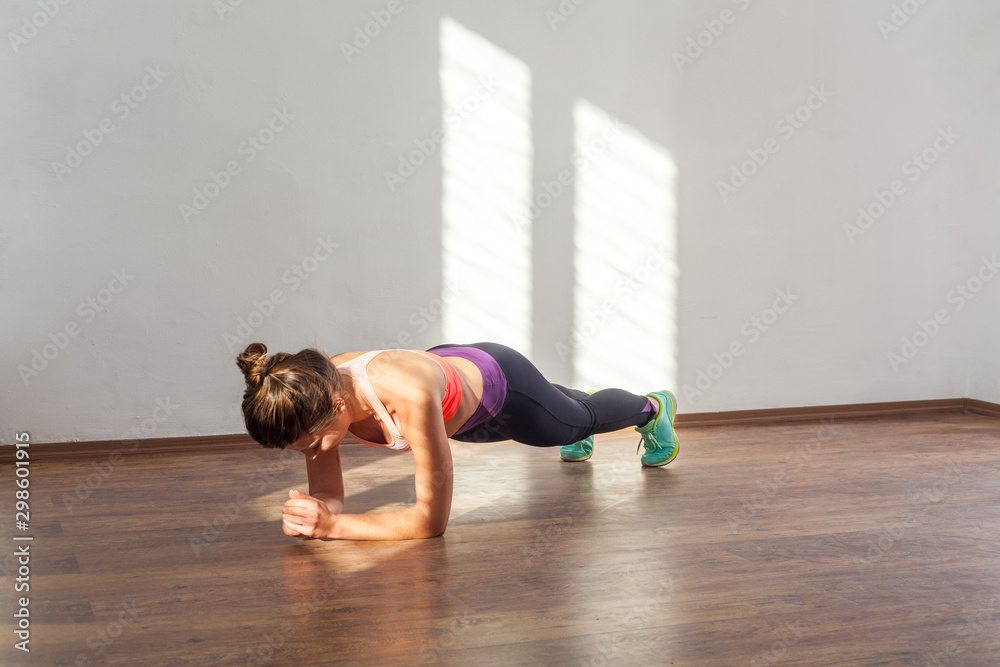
[411, 399]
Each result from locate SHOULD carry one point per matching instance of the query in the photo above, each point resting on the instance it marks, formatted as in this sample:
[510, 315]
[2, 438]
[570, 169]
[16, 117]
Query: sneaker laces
[648, 440]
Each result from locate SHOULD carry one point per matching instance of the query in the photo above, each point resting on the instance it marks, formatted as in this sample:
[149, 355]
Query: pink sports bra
[357, 368]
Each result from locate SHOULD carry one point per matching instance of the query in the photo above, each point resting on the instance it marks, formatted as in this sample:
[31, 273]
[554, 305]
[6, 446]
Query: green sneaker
[658, 436]
[578, 451]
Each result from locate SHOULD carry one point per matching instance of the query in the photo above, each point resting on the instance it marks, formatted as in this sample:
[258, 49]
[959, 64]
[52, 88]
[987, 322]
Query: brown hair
[287, 394]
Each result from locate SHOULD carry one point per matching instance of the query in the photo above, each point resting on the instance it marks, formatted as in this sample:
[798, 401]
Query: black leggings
[539, 413]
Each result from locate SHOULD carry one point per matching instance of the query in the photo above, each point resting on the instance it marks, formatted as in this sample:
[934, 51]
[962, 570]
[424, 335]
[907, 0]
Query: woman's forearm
[406, 524]
[334, 504]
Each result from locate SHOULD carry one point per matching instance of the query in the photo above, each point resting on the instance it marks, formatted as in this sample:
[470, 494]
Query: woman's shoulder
[344, 357]
[393, 370]
[391, 356]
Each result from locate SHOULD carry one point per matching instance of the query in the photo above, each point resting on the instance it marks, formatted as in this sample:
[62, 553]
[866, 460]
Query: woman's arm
[326, 479]
[310, 515]
[421, 423]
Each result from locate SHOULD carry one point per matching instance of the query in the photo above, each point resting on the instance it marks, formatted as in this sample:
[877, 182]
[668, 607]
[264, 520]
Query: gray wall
[157, 359]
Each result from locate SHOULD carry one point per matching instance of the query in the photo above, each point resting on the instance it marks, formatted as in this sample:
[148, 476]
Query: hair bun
[252, 362]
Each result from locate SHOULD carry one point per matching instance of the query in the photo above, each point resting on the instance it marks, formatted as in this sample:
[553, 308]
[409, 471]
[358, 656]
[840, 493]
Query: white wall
[161, 340]
[785, 227]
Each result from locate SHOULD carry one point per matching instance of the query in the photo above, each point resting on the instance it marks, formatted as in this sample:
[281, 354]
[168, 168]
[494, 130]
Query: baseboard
[114, 450]
[819, 412]
[982, 408]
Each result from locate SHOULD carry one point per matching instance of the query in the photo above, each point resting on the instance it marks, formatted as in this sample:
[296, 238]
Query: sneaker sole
[677, 451]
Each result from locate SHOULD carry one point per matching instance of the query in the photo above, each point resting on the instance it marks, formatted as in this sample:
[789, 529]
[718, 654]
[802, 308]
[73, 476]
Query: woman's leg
[572, 393]
[539, 413]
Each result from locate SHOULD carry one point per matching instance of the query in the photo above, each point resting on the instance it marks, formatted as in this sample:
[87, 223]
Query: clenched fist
[305, 516]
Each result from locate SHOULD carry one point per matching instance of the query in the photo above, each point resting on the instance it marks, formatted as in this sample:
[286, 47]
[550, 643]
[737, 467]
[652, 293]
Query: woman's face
[312, 444]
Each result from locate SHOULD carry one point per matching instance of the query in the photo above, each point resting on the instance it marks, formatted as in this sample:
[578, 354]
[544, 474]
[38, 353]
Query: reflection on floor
[870, 541]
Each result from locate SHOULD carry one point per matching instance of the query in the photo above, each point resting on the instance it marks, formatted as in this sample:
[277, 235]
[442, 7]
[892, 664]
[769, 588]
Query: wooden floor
[862, 542]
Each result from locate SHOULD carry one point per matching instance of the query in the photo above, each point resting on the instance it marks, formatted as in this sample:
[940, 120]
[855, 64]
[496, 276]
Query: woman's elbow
[434, 529]
[430, 525]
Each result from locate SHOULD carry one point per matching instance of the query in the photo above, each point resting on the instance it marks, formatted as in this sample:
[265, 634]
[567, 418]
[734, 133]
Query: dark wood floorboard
[870, 541]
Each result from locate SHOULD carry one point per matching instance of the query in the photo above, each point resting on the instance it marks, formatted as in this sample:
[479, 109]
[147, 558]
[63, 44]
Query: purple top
[494, 383]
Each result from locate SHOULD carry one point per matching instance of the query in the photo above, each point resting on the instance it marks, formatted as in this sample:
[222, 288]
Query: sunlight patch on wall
[486, 155]
[625, 257]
